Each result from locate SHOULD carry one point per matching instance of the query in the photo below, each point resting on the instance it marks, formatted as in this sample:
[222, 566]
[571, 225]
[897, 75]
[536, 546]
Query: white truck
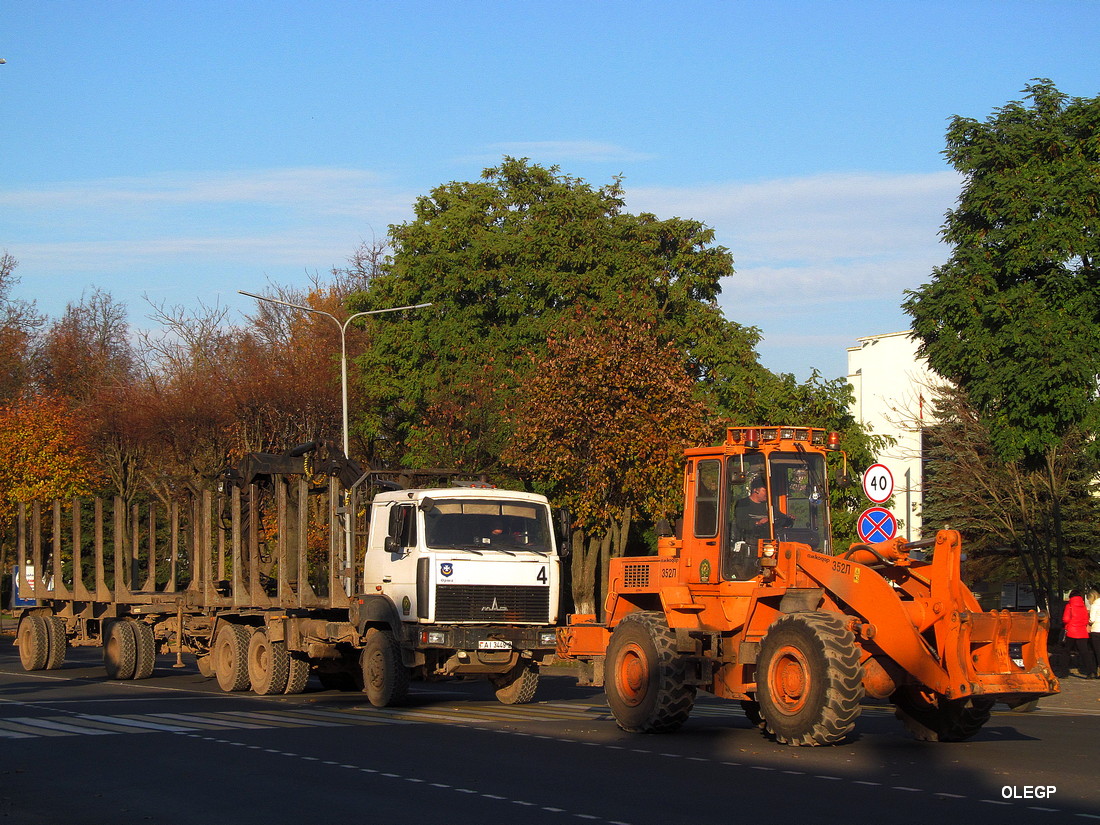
[290, 572]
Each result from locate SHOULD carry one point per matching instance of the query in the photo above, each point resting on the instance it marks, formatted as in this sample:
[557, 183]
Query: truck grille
[491, 603]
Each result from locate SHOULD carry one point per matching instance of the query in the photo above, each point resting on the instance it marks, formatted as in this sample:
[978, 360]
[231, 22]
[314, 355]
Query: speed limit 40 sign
[878, 483]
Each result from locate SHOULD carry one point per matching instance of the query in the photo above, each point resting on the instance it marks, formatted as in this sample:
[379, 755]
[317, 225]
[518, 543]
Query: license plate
[493, 644]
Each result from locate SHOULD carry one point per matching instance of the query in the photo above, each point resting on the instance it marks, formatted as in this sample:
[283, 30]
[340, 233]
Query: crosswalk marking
[83, 724]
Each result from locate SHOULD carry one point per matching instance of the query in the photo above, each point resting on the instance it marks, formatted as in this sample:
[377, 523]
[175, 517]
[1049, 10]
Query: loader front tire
[645, 676]
[808, 679]
[931, 717]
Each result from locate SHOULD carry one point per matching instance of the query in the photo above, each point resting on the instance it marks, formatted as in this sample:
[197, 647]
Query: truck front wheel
[808, 680]
[644, 676]
[385, 677]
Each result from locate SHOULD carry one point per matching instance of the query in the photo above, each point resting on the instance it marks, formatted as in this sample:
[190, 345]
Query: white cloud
[824, 235]
[314, 186]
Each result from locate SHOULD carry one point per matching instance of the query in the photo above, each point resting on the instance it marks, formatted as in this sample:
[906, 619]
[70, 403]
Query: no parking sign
[876, 524]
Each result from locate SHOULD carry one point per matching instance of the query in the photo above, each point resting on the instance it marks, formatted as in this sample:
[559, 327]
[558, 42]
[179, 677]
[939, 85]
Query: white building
[891, 387]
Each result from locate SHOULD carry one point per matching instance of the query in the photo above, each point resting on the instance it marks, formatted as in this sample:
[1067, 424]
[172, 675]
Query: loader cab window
[739, 556]
[707, 487]
[798, 489]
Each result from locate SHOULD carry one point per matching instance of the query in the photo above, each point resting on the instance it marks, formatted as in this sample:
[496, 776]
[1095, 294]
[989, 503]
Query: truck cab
[467, 579]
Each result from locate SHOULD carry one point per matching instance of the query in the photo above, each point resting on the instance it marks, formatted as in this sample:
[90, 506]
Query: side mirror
[843, 481]
[563, 527]
[663, 528]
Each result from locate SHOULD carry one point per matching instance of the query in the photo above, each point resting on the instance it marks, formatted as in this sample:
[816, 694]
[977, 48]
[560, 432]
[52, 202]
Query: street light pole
[343, 327]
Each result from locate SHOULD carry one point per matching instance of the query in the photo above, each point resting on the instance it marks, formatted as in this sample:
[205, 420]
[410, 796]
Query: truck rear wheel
[644, 676]
[517, 686]
[268, 664]
[297, 674]
[145, 641]
[930, 717]
[58, 644]
[33, 638]
[231, 657]
[808, 680]
[385, 677]
[120, 650]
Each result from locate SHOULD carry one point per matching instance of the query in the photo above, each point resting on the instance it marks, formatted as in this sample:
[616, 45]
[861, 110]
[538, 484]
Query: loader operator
[750, 514]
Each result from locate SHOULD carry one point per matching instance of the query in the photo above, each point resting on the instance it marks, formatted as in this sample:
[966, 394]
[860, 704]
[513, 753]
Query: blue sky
[178, 152]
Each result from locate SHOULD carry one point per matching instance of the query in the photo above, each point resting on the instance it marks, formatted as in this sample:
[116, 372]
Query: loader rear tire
[231, 657]
[33, 638]
[808, 679]
[518, 685]
[931, 717]
[645, 678]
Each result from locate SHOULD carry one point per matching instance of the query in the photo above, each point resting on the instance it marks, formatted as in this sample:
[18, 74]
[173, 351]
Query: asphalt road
[76, 748]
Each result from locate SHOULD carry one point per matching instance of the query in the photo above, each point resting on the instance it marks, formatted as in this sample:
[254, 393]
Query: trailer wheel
[385, 677]
[231, 657]
[120, 650]
[930, 717]
[808, 680]
[146, 654]
[518, 685]
[33, 638]
[645, 677]
[268, 664]
[59, 642]
[298, 674]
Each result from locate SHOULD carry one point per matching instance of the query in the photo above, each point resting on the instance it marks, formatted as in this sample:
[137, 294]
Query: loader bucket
[1000, 654]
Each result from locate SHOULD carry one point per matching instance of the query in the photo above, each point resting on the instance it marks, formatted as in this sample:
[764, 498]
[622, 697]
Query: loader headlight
[547, 638]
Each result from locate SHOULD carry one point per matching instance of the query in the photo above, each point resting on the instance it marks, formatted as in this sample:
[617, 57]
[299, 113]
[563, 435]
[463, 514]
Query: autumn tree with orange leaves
[603, 420]
[43, 454]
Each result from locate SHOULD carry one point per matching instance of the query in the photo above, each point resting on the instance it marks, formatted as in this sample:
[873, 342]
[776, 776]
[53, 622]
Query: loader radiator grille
[492, 603]
[636, 575]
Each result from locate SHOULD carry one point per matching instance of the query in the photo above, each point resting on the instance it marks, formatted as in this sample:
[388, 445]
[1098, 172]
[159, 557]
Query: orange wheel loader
[752, 602]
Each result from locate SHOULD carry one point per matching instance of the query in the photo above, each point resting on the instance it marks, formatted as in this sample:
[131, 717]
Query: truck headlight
[433, 637]
[547, 638]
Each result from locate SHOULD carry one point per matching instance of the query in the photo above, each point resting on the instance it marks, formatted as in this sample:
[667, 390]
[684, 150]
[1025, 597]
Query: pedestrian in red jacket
[1075, 618]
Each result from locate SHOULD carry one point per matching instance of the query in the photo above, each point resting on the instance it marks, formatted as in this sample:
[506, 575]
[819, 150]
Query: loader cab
[765, 486]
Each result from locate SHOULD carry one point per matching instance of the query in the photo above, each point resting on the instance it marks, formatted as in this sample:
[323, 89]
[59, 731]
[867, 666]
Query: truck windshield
[472, 524]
